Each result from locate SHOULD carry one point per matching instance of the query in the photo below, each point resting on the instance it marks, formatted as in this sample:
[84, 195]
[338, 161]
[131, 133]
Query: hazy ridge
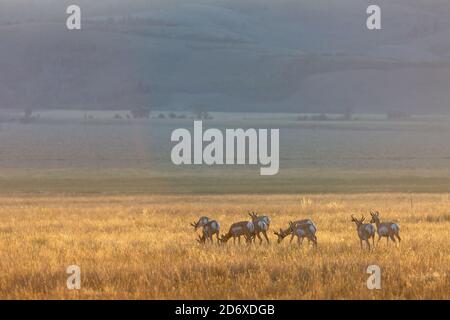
[227, 55]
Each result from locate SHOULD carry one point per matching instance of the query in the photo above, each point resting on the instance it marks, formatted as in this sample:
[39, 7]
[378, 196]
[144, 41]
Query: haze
[265, 56]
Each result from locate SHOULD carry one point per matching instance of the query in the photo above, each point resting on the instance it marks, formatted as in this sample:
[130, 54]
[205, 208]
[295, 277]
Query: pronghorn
[210, 228]
[201, 239]
[365, 231]
[261, 224]
[390, 230]
[304, 231]
[301, 231]
[200, 223]
[238, 229]
[284, 233]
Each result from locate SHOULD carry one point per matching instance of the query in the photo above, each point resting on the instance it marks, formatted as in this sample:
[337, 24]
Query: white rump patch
[262, 225]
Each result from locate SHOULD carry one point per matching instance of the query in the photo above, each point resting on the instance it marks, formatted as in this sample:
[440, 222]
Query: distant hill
[295, 56]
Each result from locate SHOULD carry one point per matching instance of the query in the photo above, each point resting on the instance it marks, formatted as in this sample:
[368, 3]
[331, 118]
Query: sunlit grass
[144, 247]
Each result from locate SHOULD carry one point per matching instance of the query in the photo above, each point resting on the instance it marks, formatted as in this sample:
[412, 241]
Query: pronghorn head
[281, 234]
[375, 216]
[201, 239]
[291, 226]
[223, 238]
[200, 223]
[253, 215]
[358, 222]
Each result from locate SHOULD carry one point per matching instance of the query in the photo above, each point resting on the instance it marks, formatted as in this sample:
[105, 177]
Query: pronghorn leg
[234, 240]
[398, 237]
[368, 244]
[373, 241]
[292, 238]
[259, 237]
[392, 238]
[379, 238]
[310, 239]
[217, 236]
[239, 239]
[265, 236]
[361, 243]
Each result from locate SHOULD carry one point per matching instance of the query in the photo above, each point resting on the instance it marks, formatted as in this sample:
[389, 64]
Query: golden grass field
[143, 247]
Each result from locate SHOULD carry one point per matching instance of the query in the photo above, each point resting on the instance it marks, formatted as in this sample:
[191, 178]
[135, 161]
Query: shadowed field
[143, 247]
[63, 153]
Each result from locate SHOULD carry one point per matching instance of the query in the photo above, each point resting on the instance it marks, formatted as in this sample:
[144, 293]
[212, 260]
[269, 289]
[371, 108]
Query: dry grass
[143, 247]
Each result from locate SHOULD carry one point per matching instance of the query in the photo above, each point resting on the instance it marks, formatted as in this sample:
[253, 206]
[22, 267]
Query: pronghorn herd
[259, 224]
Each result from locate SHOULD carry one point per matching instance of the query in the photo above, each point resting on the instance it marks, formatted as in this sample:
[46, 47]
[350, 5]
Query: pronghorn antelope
[261, 224]
[365, 231]
[202, 239]
[210, 228]
[284, 233]
[238, 229]
[301, 231]
[390, 230]
[200, 223]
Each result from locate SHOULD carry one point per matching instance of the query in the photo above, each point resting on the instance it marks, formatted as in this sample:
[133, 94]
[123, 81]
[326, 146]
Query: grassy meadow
[102, 193]
[142, 246]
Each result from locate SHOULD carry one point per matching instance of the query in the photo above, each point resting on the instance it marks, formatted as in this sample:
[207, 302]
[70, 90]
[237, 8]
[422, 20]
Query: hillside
[227, 55]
